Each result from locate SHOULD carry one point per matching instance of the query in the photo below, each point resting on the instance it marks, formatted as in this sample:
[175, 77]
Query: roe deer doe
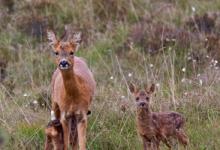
[154, 127]
[73, 87]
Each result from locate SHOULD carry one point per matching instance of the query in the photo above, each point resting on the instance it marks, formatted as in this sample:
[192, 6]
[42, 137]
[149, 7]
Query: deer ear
[152, 88]
[132, 88]
[51, 37]
[77, 39]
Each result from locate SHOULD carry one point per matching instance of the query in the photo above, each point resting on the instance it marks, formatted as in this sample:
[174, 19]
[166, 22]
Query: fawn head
[64, 48]
[142, 97]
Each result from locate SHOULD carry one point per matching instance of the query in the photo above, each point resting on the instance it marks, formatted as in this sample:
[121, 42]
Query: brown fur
[54, 135]
[72, 89]
[154, 127]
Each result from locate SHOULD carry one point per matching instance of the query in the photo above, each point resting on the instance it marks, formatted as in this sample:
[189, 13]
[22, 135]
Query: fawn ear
[152, 89]
[51, 37]
[132, 88]
[76, 39]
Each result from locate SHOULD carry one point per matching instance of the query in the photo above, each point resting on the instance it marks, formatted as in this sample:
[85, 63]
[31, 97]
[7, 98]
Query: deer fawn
[154, 127]
[54, 135]
[73, 87]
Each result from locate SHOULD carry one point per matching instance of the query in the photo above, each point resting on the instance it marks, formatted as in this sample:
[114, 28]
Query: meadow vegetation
[172, 43]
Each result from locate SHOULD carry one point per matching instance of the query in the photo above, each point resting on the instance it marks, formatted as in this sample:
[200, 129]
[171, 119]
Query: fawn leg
[81, 130]
[48, 143]
[182, 137]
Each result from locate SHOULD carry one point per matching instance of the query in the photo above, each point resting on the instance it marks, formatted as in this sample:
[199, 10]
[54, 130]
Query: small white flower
[151, 65]
[122, 96]
[184, 69]
[157, 84]
[193, 8]
[194, 60]
[35, 102]
[189, 58]
[207, 56]
[190, 81]
[129, 74]
[200, 81]
[198, 75]
[183, 80]
[25, 94]
[185, 93]
[111, 77]
[216, 68]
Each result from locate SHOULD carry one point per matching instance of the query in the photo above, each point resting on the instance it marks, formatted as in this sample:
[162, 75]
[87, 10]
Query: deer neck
[144, 115]
[71, 83]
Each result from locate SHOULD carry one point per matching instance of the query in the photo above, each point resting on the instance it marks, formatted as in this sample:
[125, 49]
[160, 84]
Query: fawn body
[154, 127]
[73, 87]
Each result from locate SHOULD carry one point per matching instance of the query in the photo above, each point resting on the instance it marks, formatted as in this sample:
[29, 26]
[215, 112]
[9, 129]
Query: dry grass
[124, 41]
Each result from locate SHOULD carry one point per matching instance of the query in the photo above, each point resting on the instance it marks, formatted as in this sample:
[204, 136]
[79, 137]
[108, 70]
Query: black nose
[64, 63]
[142, 104]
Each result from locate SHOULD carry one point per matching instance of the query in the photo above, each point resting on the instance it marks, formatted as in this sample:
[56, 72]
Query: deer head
[142, 97]
[64, 48]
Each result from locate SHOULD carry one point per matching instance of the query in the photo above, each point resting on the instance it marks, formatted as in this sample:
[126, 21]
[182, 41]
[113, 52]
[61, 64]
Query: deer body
[73, 87]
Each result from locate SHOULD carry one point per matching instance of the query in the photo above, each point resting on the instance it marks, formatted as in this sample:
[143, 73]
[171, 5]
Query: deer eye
[71, 53]
[137, 98]
[56, 53]
[147, 98]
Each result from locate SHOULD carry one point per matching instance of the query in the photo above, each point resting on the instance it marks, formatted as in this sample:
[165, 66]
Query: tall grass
[189, 86]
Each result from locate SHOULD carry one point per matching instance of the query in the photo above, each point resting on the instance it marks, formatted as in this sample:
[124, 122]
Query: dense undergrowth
[172, 43]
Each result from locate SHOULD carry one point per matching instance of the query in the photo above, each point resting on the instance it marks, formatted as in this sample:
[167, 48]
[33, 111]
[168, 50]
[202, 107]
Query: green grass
[107, 27]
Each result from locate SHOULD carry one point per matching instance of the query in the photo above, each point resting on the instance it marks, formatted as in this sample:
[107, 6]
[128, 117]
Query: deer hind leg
[66, 131]
[81, 129]
[182, 137]
[166, 141]
[73, 133]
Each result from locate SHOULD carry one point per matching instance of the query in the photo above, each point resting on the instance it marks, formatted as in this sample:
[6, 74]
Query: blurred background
[172, 43]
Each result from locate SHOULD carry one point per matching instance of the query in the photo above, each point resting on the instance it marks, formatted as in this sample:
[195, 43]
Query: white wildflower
[193, 9]
[25, 94]
[198, 75]
[129, 74]
[200, 81]
[111, 77]
[190, 81]
[157, 84]
[35, 102]
[151, 65]
[122, 97]
[183, 80]
[184, 69]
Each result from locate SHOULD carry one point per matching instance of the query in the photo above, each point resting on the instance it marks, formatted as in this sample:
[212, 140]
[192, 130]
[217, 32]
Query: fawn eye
[71, 53]
[137, 98]
[147, 98]
[56, 53]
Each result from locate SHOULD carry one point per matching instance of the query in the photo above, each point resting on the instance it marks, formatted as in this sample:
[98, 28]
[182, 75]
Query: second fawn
[154, 127]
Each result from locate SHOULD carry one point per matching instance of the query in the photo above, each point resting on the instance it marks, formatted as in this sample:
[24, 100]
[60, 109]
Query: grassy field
[172, 43]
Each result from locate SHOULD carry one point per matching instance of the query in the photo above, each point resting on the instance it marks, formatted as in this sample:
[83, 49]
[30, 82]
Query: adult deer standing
[73, 87]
